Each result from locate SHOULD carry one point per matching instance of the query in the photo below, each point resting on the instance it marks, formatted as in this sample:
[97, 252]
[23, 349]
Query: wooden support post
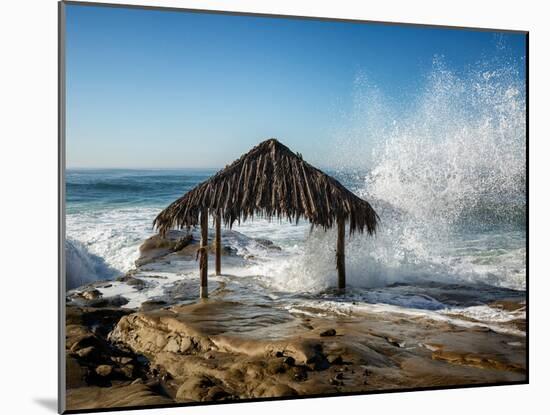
[340, 253]
[218, 244]
[203, 263]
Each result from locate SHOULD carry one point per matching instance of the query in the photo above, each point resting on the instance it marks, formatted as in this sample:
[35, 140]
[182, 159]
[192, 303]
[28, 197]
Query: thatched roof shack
[272, 182]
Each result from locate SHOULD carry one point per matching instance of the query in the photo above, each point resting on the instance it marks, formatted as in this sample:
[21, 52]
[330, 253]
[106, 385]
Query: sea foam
[447, 177]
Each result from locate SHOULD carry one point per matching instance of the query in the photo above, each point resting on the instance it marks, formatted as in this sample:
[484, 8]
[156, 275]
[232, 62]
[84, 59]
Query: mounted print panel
[259, 207]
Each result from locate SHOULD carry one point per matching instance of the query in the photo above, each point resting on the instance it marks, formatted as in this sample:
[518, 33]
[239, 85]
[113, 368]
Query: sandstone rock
[278, 390]
[104, 370]
[87, 352]
[157, 247]
[194, 389]
[94, 397]
[123, 360]
[91, 294]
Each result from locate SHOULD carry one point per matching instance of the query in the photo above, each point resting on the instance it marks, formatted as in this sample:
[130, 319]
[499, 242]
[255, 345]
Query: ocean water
[446, 176]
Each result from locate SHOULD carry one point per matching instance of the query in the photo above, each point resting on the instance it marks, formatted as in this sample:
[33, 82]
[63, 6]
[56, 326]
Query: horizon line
[67, 168]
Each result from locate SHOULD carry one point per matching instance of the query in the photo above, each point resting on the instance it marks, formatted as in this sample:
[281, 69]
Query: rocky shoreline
[172, 351]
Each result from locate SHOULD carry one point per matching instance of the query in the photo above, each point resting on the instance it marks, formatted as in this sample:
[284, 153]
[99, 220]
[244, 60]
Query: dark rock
[158, 277]
[336, 382]
[152, 305]
[115, 301]
[266, 243]
[217, 393]
[229, 250]
[263, 241]
[300, 374]
[152, 383]
[328, 333]
[335, 360]
[135, 282]
[339, 376]
[76, 374]
[318, 362]
[275, 366]
[289, 360]
[77, 342]
[279, 390]
[182, 242]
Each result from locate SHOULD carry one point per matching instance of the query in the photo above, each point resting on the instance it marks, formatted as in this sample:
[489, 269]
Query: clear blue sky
[149, 88]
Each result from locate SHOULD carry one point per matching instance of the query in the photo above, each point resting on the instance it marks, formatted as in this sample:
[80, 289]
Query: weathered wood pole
[218, 244]
[340, 253]
[203, 263]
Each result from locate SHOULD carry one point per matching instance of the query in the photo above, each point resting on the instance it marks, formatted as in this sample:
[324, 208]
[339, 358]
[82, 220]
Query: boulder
[182, 243]
[106, 302]
[104, 370]
[266, 243]
[152, 305]
[92, 294]
[328, 333]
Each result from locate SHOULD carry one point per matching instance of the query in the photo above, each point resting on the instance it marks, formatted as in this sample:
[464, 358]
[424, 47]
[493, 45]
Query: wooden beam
[218, 244]
[203, 263]
[341, 253]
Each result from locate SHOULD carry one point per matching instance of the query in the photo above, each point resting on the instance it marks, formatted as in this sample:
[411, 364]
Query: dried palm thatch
[270, 181]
